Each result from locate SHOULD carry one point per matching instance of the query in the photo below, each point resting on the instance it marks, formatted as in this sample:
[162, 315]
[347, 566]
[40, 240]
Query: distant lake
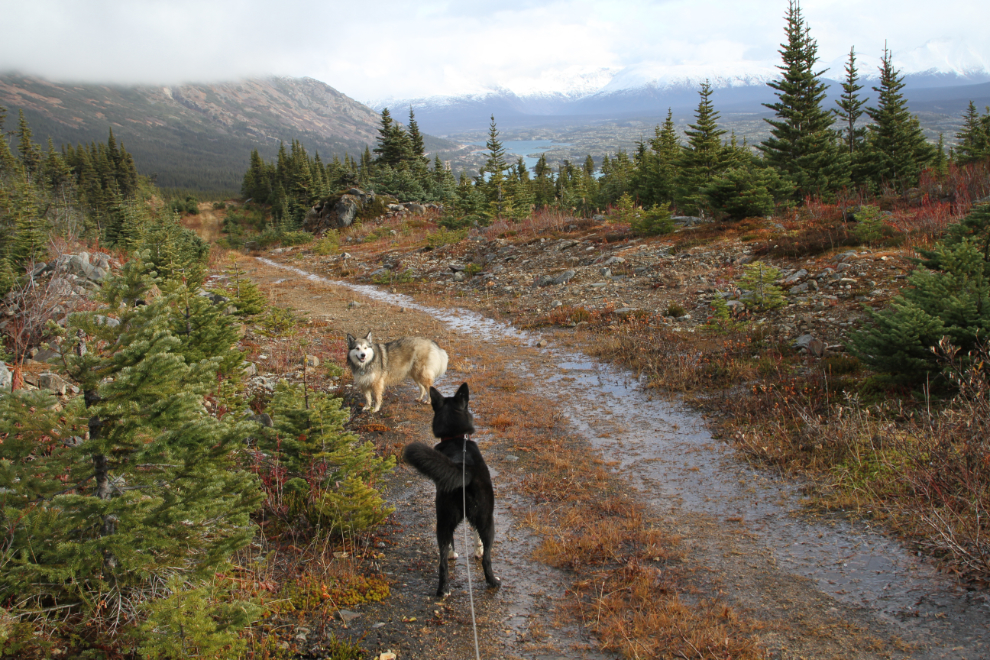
[524, 148]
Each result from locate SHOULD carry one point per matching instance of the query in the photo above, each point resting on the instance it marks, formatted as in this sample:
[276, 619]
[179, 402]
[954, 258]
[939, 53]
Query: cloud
[394, 48]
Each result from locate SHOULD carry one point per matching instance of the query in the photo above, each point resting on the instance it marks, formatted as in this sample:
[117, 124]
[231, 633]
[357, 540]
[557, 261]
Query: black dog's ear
[436, 399]
[462, 395]
[368, 336]
[350, 341]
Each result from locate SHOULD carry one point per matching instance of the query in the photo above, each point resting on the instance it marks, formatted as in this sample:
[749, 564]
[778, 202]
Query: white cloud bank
[397, 48]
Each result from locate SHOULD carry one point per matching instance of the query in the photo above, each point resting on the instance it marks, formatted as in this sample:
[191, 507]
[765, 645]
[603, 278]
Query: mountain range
[198, 136]
[940, 76]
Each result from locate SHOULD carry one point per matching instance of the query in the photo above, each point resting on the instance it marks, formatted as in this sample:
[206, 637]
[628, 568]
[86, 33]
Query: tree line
[812, 152]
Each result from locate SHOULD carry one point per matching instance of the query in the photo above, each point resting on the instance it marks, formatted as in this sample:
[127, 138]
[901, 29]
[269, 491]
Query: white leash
[467, 555]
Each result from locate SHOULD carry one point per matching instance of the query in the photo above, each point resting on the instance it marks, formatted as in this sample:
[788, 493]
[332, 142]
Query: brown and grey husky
[376, 365]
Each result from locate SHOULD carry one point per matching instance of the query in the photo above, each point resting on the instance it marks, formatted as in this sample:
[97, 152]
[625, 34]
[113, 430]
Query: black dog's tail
[445, 473]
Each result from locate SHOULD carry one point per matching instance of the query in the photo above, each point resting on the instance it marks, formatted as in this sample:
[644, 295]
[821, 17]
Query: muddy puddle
[668, 455]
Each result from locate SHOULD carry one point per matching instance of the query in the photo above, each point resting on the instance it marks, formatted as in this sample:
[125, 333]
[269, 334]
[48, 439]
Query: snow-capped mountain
[936, 63]
[932, 70]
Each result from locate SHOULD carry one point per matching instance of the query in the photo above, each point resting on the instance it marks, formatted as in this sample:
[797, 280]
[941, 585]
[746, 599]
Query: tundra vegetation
[157, 508]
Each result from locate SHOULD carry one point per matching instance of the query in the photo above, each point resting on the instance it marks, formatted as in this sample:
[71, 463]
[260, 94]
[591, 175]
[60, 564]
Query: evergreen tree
[802, 144]
[29, 151]
[417, 147]
[974, 138]
[897, 148]
[702, 159]
[495, 167]
[952, 302]
[152, 492]
[850, 110]
[8, 162]
[394, 146]
[544, 188]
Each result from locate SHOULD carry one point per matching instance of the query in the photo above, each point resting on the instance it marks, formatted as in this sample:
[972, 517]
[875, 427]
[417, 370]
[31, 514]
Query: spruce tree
[30, 152]
[495, 167]
[952, 302]
[851, 105]
[973, 141]
[702, 159]
[153, 491]
[897, 149]
[416, 144]
[802, 145]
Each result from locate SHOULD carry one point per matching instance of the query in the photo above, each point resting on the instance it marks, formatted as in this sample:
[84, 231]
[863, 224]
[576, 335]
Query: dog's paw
[496, 584]
[442, 594]
[452, 555]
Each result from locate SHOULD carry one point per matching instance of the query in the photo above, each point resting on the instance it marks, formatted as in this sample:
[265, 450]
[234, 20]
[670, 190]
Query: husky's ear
[350, 341]
[368, 336]
[436, 399]
[462, 395]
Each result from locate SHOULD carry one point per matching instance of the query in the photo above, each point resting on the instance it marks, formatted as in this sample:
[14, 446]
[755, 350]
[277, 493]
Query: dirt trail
[824, 588]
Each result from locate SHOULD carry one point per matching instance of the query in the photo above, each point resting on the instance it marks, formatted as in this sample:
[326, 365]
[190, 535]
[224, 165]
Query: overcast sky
[414, 48]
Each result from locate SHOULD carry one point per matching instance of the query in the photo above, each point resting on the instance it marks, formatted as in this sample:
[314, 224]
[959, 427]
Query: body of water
[525, 148]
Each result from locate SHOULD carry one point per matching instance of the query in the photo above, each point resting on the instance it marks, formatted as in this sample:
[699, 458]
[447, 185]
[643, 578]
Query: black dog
[461, 476]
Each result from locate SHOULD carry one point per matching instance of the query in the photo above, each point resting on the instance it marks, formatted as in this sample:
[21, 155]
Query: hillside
[198, 136]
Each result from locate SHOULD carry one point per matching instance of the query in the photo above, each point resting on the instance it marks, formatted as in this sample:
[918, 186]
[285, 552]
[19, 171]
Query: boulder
[53, 382]
[6, 378]
[811, 344]
[264, 419]
[337, 211]
[564, 277]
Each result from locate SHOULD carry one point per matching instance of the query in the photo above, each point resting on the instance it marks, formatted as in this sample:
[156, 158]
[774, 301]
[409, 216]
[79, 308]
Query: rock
[53, 382]
[47, 355]
[794, 278]
[798, 288]
[99, 319]
[627, 310]
[460, 277]
[6, 378]
[312, 361]
[264, 419]
[347, 616]
[249, 369]
[810, 344]
[614, 260]
[387, 655]
[542, 343]
[456, 266]
[98, 274]
[687, 220]
[564, 277]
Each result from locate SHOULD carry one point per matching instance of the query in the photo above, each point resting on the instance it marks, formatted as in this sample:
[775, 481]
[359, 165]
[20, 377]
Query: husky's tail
[433, 465]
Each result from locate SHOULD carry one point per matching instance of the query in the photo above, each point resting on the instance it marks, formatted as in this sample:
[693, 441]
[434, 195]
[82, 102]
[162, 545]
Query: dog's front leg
[379, 390]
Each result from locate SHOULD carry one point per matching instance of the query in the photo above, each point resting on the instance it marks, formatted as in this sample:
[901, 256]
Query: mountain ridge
[198, 136]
